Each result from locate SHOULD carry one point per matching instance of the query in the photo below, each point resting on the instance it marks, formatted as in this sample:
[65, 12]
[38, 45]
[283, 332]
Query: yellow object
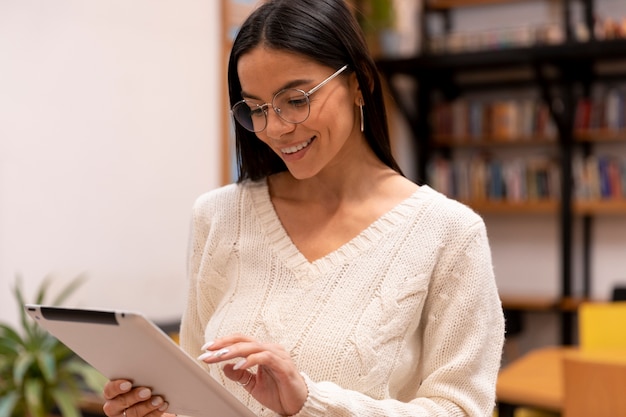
[602, 325]
[175, 337]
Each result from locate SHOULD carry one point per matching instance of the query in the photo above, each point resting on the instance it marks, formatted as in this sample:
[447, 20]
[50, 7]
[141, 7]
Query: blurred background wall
[110, 116]
[111, 119]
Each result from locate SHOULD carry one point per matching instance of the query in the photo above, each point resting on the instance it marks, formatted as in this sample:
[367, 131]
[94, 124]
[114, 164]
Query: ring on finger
[250, 375]
[124, 412]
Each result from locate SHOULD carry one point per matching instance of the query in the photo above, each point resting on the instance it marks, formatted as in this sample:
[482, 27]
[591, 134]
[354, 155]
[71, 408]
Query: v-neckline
[282, 244]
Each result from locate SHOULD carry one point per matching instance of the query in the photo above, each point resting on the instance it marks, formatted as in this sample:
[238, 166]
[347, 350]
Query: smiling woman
[324, 282]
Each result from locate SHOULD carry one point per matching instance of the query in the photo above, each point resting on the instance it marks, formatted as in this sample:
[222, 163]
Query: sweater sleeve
[462, 330]
[195, 314]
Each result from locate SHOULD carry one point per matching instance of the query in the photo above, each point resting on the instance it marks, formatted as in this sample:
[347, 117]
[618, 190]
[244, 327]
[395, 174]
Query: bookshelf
[561, 76]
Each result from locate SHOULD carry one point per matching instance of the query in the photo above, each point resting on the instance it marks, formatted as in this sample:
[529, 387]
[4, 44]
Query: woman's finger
[242, 377]
[155, 406]
[138, 402]
[116, 387]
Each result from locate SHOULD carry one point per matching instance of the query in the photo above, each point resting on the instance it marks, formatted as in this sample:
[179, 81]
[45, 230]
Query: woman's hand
[276, 384]
[125, 401]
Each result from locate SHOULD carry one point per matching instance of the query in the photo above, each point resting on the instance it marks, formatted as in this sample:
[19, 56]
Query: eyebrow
[290, 84]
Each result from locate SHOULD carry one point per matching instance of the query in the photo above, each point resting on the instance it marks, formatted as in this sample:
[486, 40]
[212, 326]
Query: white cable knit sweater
[404, 320]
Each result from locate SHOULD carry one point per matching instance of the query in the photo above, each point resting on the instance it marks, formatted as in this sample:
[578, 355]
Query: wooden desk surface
[597, 355]
[536, 379]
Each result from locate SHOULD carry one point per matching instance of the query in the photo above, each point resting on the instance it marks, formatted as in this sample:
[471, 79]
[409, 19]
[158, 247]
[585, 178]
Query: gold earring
[362, 116]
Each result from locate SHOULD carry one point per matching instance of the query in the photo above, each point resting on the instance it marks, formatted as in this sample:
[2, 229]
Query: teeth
[296, 148]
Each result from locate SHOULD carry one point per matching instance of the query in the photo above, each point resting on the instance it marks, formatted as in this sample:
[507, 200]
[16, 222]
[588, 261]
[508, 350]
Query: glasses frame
[264, 107]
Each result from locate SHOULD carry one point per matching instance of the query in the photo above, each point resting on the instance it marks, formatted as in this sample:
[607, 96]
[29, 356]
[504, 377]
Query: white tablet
[125, 344]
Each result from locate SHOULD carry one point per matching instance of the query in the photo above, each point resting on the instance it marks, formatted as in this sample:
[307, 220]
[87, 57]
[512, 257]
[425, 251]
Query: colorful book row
[604, 111]
[474, 120]
[482, 178]
[599, 177]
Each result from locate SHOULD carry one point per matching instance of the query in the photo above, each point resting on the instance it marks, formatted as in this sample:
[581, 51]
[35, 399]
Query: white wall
[109, 128]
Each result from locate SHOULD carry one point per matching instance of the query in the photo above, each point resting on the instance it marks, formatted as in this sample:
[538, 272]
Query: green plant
[375, 15]
[39, 374]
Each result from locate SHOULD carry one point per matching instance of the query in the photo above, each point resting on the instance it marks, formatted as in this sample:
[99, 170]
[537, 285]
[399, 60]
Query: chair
[595, 377]
[539, 381]
[602, 325]
[594, 387]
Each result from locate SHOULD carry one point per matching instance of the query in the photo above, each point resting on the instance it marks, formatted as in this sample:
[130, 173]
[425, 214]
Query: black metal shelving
[556, 71]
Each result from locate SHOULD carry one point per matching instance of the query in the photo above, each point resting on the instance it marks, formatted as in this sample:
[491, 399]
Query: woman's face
[332, 130]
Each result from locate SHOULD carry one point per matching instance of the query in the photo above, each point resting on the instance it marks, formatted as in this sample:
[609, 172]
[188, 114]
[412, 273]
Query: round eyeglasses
[291, 104]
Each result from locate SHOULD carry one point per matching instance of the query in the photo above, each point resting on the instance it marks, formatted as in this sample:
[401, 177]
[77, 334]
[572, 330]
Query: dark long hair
[327, 32]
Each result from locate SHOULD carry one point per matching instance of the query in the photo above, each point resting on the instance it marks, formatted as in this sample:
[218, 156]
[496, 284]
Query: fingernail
[163, 407]
[220, 352]
[207, 345]
[205, 355]
[145, 393]
[156, 401]
[125, 386]
[239, 364]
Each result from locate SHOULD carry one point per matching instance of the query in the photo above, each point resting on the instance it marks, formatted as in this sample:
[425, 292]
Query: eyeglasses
[291, 104]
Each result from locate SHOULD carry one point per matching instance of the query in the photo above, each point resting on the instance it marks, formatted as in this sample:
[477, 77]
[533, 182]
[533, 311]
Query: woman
[325, 283]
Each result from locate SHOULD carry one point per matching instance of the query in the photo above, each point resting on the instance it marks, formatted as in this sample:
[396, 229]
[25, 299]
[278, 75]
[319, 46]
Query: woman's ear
[356, 90]
[358, 94]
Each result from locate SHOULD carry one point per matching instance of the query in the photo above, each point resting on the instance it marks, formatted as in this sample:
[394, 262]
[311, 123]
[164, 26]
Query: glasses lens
[250, 115]
[292, 105]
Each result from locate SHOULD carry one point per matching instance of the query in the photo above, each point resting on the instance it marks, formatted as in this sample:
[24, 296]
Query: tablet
[125, 344]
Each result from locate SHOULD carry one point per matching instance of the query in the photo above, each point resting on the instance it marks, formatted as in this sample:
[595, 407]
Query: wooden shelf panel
[600, 135]
[509, 207]
[539, 303]
[451, 4]
[596, 136]
[528, 303]
[613, 206]
[469, 142]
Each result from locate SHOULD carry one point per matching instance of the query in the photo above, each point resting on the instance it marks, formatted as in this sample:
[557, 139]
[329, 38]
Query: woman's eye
[298, 102]
[257, 112]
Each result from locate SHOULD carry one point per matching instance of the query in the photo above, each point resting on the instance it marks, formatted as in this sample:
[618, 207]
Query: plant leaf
[66, 402]
[43, 290]
[8, 402]
[24, 360]
[33, 393]
[47, 365]
[9, 346]
[93, 379]
[36, 370]
[17, 291]
[8, 332]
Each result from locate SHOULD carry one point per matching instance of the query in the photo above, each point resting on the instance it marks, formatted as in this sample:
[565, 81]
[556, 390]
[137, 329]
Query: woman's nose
[276, 126]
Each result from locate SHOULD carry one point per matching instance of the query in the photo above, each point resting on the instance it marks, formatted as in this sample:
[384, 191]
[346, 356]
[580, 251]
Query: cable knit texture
[403, 320]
